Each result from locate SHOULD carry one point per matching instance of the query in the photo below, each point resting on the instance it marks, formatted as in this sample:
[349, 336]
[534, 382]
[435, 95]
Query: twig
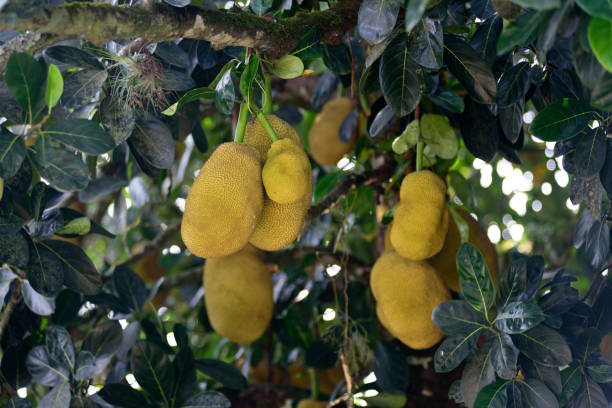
[597, 282]
[348, 35]
[155, 246]
[338, 401]
[10, 306]
[185, 277]
[345, 367]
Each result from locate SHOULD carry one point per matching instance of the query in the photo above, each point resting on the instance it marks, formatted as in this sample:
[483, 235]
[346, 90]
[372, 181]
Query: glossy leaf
[448, 100]
[12, 153]
[477, 373]
[383, 119]
[153, 142]
[596, 8]
[493, 395]
[600, 39]
[513, 84]
[58, 397]
[103, 340]
[521, 31]
[538, 4]
[60, 350]
[260, 7]
[130, 287]
[479, 130]
[55, 86]
[24, 77]
[518, 317]
[454, 350]
[391, 368]
[562, 120]
[193, 95]
[225, 94]
[474, 277]
[225, 373]
[425, 44]
[248, 76]
[504, 355]
[152, 369]
[82, 87]
[37, 303]
[544, 345]
[63, 169]
[42, 370]
[457, 317]
[82, 134]
[600, 373]
[484, 40]
[601, 96]
[537, 394]
[323, 89]
[74, 57]
[376, 19]
[122, 395]
[598, 243]
[414, 12]
[590, 395]
[550, 376]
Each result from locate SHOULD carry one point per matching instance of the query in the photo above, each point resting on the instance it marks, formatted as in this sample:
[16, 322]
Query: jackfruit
[149, 269]
[445, 262]
[224, 202]
[238, 295]
[311, 403]
[326, 148]
[297, 375]
[255, 135]
[287, 172]
[406, 293]
[420, 221]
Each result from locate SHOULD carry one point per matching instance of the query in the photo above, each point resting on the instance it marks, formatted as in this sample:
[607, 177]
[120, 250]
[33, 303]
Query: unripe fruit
[224, 202]
[256, 136]
[238, 295]
[286, 173]
[326, 148]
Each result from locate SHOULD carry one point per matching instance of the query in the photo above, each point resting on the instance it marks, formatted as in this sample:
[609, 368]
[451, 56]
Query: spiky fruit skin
[238, 295]
[421, 220]
[224, 202]
[445, 261]
[256, 136]
[406, 293]
[278, 224]
[326, 148]
[286, 172]
[311, 403]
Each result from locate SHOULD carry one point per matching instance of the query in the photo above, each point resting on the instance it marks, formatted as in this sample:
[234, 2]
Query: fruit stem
[419, 153]
[241, 124]
[264, 122]
[267, 95]
[314, 384]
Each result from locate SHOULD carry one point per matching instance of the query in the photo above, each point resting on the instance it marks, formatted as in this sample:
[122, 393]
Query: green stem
[419, 158]
[264, 122]
[340, 90]
[241, 124]
[314, 384]
[267, 95]
[364, 102]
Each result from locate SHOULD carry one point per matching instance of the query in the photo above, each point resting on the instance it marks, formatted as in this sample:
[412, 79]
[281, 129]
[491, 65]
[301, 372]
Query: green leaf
[82, 87]
[55, 86]
[562, 119]
[85, 366]
[24, 77]
[439, 135]
[376, 19]
[208, 399]
[123, 395]
[600, 373]
[493, 395]
[80, 274]
[14, 249]
[248, 76]
[484, 40]
[83, 134]
[12, 153]
[39, 304]
[104, 340]
[414, 12]
[601, 95]
[58, 397]
[448, 100]
[457, 317]
[521, 31]
[538, 4]
[590, 395]
[425, 44]
[225, 373]
[60, 349]
[287, 67]
[326, 184]
[45, 270]
[504, 356]
[590, 153]
[571, 380]
[399, 77]
[152, 142]
[454, 350]
[407, 139]
[74, 57]
[391, 368]
[470, 69]
[260, 7]
[64, 170]
[544, 345]
[537, 394]
[6, 277]
[118, 118]
[513, 84]
[130, 287]
[42, 370]
[153, 370]
[77, 226]
[597, 8]
[550, 376]
[600, 39]
[474, 278]
[477, 374]
[518, 317]
[224, 93]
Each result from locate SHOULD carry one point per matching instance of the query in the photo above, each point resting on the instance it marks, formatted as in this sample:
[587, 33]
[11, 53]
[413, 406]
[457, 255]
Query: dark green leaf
[600, 39]
[537, 394]
[24, 77]
[17, 402]
[587, 344]
[590, 395]
[58, 397]
[511, 120]
[598, 243]
[601, 96]
[425, 44]
[454, 350]
[130, 287]
[208, 399]
[399, 77]
[544, 345]
[474, 277]
[587, 68]
[590, 154]
[548, 375]
[60, 350]
[493, 395]
[14, 365]
[172, 80]
[600, 373]
[184, 373]
[82, 134]
[103, 340]
[225, 373]
[225, 94]
[82, 87]
[517, 317]
[64, 170]
[457, 317]
[123, 395]
[448, 100]
[12, 152]
[14, 249]
[382, 121]
[414, 12]
[337, 58]
[172, 54]
[248, 76]
[513, 84]
[484, 40]
[391, 368]
[153, 142]
[323, 89]
[37, 303]
[118, 118]
[348, 126]
[85, 366]
[597, 8]
[376, 19]
[41, 369]
[45, 270]
[480, 131]
[153, 370]
[504, 355]
[538, 4]
[515, 397]
[521, 31]
[470, 69]
[477, 374]
[321, 355]
[68, 306]
[562, 120]
[73, 56]
[309, 46]
[101, 187]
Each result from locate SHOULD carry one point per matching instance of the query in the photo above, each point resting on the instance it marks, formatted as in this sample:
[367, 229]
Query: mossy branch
[100, 23]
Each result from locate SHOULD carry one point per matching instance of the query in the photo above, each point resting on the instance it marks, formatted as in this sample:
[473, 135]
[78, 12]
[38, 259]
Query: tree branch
[29, 43]
[157, 245]
[100, 23]
[10, 306]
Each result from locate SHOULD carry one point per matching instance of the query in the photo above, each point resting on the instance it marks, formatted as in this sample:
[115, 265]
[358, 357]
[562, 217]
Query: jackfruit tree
[309, 203]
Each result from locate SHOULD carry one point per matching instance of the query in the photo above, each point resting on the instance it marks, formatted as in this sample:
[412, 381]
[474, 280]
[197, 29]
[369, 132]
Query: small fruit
[406, 293]
[286, 173]
[311, 403]
[445, 261]
[326, 148]
[420, 221]
[224, 202]
[238, 295]
[256, 136]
